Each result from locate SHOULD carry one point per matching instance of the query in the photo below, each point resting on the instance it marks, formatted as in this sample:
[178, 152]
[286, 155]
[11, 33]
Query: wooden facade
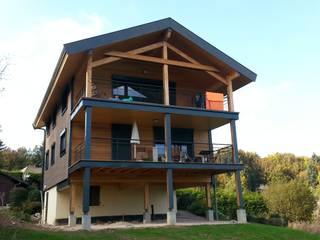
[167, 82]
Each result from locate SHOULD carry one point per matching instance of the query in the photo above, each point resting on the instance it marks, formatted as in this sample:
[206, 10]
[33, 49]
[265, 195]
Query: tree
[312, 170]
[253, 173]
[293, 201]
[283, 167]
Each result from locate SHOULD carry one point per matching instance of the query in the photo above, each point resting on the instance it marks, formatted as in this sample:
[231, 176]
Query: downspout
[42, 168]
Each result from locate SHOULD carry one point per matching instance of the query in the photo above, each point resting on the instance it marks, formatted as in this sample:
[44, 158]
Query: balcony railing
[153, 93]
[118, 149]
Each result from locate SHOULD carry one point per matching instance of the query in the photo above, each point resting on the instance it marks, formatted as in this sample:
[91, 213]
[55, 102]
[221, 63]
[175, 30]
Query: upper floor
[156, 63]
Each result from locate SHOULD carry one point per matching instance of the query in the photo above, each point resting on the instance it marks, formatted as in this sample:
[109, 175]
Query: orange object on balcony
[214, 101]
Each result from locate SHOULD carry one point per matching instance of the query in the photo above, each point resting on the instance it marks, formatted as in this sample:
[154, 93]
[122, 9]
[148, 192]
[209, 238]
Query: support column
[209, 203]
[89, 75]
[214, 185]
[165, 73]
[86, 218]
[241, 212]
[72, 219]
[167, 137]
[87, 133]
[171, 214]
[146, 214]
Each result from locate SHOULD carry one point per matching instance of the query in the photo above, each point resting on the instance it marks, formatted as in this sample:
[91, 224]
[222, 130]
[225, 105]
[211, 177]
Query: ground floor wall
[115, 200]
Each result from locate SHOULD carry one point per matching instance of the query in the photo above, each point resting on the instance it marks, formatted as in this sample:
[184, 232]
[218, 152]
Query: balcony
[136, 90]
[125, 149]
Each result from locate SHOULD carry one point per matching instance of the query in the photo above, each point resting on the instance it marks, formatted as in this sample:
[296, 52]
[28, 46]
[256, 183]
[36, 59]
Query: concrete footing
[210, 215]
[86, 222]
[241, 216]
[171, 217]
[146, 217]
[72, 220]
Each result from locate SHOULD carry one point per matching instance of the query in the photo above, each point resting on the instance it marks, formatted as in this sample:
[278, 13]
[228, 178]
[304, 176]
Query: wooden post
[165, 72]
[208, 195]
[230, 90]
[89, 75]
[146, 197]
[230, 96]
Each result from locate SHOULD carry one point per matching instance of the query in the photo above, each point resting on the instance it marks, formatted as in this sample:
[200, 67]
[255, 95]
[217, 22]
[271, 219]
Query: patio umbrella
[135, 139]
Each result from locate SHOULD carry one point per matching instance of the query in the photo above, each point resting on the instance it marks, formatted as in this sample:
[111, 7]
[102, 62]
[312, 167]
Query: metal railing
[153, 93]
[113, 149]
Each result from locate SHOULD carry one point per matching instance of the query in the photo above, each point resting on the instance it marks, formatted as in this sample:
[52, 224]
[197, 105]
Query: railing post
[87, 133]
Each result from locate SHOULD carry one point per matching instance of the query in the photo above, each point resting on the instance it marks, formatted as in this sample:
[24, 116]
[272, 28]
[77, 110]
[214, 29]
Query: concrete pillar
[72, 220]
[146, 217]
[86, 222]
[241, 216]
[171, 217]
[210, 215]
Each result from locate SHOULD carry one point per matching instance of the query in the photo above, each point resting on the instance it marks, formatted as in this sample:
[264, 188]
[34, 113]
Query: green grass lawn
[219, 232]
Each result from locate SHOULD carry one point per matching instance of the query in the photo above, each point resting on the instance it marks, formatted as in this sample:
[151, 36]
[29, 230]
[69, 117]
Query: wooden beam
[208, 195]
[89, 75]
[190, 59]
[161, 61]
[165, 75]
[146, 197]
[134, 51]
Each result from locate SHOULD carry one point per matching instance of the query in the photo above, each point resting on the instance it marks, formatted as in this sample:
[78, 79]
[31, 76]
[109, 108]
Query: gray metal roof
[137, 31]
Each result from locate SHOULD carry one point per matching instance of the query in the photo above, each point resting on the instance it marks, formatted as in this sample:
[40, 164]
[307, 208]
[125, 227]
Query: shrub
[293, 201]
[17, 197]
[255, 204]
[193, 200]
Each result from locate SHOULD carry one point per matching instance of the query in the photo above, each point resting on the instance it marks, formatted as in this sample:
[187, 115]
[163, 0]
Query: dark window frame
[53, 154]
[63, 142]
[95, 194]
[54, 119]
[48, 125]
[64, 101]
[46, 160]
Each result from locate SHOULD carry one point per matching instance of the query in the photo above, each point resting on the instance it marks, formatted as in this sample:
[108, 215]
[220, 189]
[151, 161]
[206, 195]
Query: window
[141, 90]
[48, 129]
[53, 153]
[64, 101]
[54, 118]
[46, 160]
[63, 143]
[94, 195]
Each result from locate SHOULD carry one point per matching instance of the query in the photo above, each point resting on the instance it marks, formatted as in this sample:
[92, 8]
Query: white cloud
[33, 54]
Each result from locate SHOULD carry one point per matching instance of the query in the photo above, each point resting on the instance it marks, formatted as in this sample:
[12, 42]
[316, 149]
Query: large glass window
[141, 90]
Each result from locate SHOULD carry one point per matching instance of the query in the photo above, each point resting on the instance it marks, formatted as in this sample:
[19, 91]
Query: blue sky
[279, 40]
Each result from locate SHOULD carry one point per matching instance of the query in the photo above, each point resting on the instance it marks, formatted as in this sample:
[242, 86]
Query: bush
[18, 197]
[293, 201]
[193, 200]
[24, 202]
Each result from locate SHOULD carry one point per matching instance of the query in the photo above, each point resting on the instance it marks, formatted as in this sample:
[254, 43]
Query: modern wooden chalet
[128, 118]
